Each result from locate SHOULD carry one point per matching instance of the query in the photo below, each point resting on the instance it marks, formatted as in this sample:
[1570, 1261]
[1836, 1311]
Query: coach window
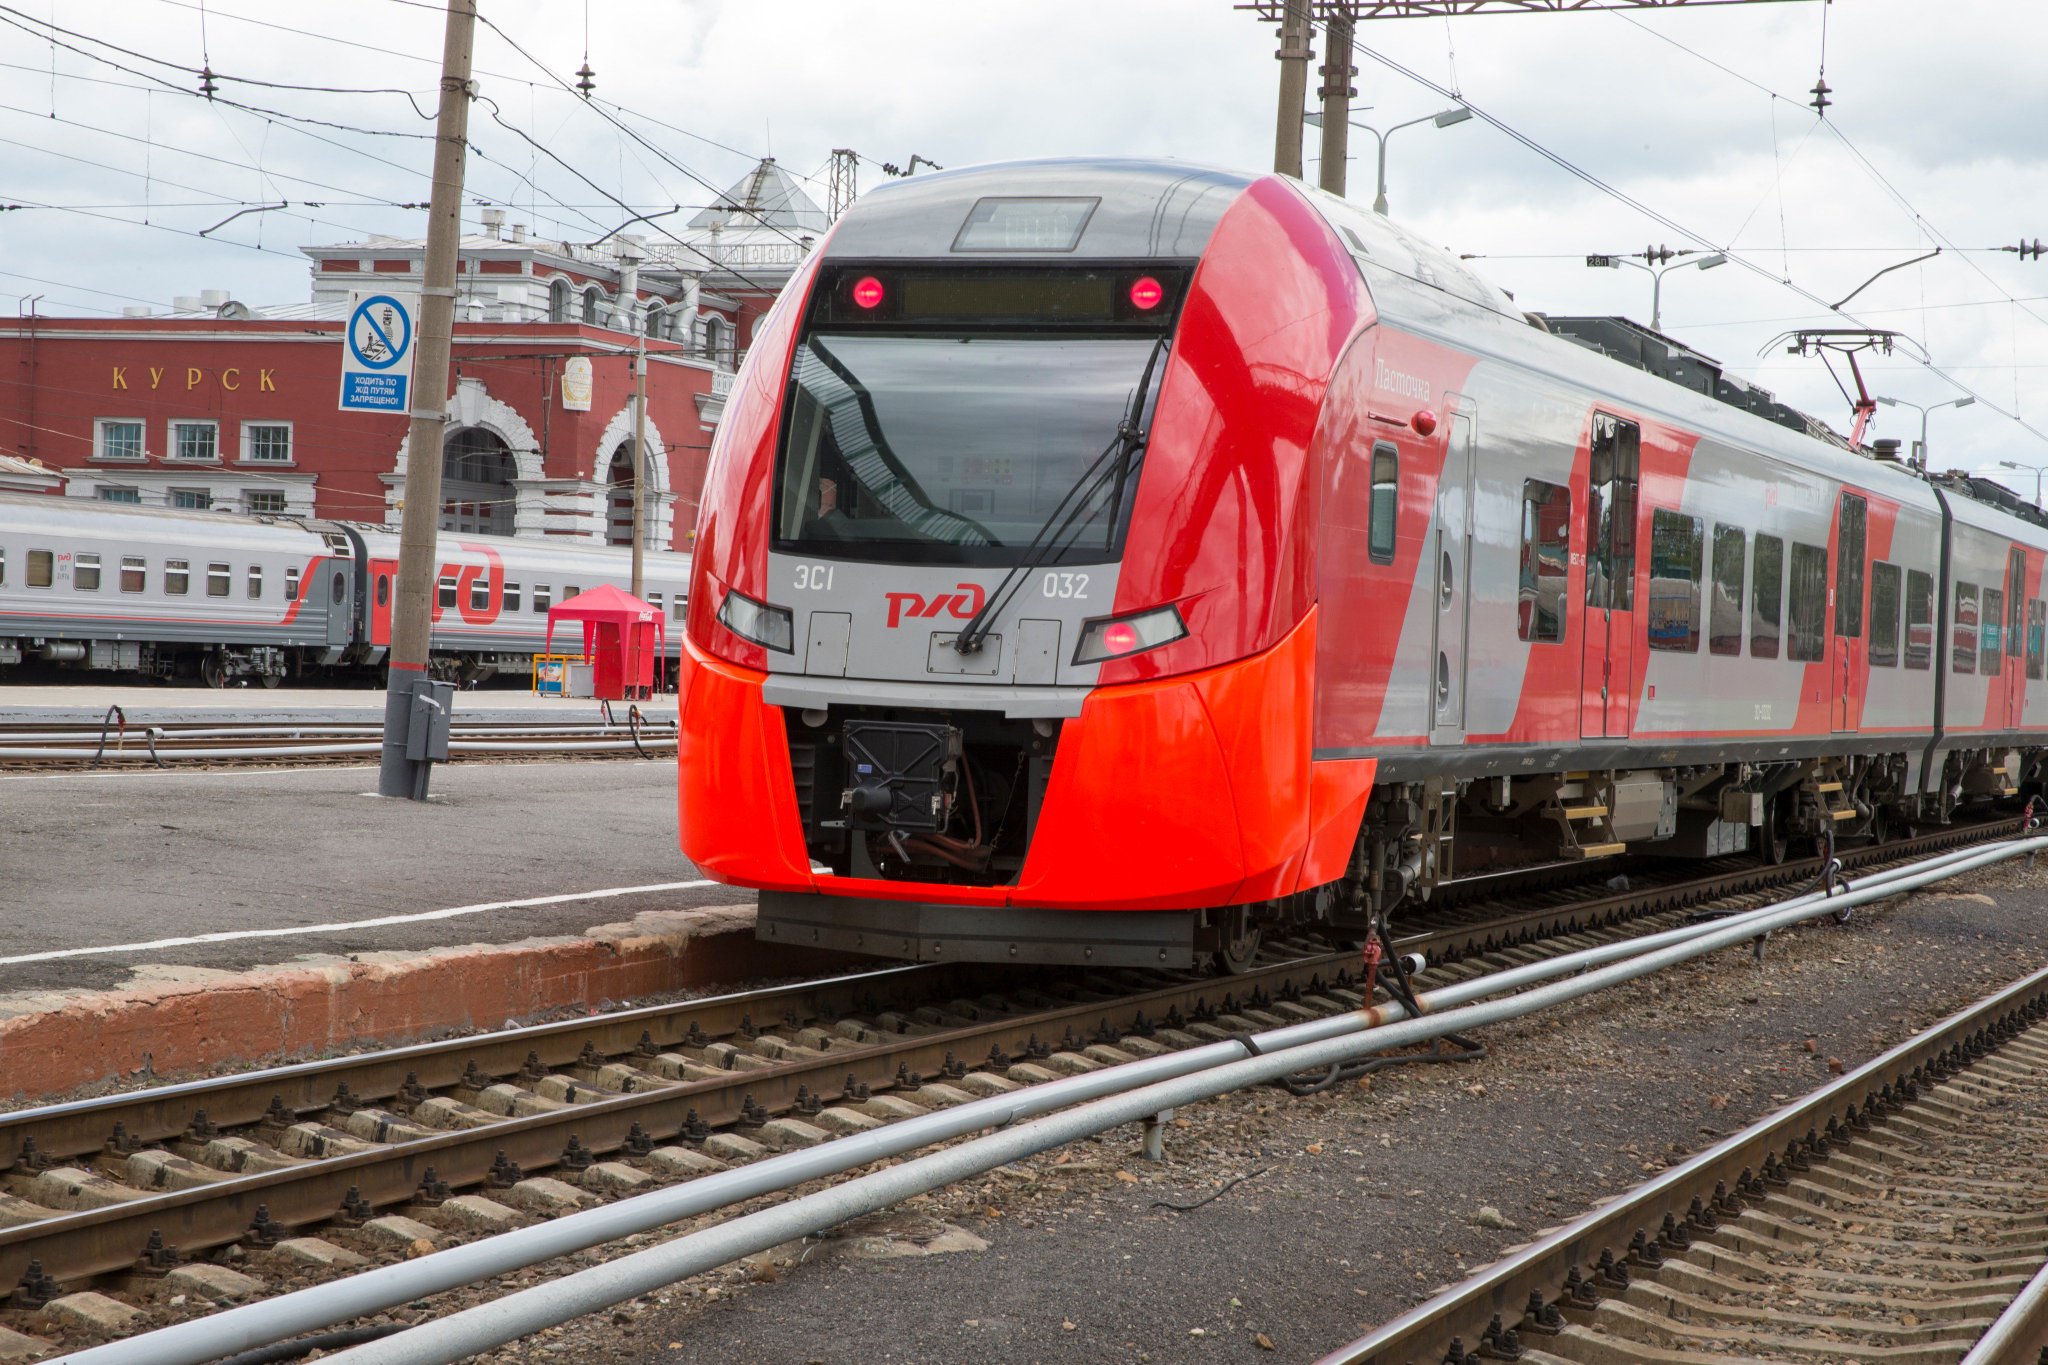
[1808, 636]
[1385, 508]
[543, 597]
[177, 576]
[337, 589]
[1884, 615]
[1849, 567]
[1675, 553]
[291, 585]
[1724, 615]
[654, 600]
[134, 574]
[85, 573]
[1767, 597]
[676, 606]
[1990, 625]
[1919, 619]
[219, 578]
[1963, 652]
[2037, 635]
[447, 595]
[479, 594]
[511, 597]
[41, 567]
[383, 589]
[255, 580]
[3, 566]
[1546, 559]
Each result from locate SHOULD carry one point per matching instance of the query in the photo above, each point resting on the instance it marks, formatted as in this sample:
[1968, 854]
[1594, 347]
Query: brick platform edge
[181, 1021]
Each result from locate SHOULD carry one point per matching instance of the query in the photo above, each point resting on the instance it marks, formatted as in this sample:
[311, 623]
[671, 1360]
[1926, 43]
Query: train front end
[1000, 646]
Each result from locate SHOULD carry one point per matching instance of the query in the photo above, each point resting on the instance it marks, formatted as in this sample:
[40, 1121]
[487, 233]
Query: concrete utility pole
[639, 462]
[1294, 55]
[1337, 93]
[419, 531]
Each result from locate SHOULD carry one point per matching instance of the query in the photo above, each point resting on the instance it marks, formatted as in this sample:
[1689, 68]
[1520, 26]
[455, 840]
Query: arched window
[652, 325]
[477, 492]
[718, 342]
[558, 300]
[591, 298]
[619, 522]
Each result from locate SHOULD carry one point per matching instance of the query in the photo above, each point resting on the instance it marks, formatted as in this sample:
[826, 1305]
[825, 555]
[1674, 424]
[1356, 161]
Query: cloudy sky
[1696, 118]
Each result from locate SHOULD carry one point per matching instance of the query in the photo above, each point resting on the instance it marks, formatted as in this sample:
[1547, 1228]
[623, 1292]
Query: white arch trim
[660, 529]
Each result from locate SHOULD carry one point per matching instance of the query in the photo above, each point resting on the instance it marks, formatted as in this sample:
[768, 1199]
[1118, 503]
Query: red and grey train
[1103, 561]
[221, 597]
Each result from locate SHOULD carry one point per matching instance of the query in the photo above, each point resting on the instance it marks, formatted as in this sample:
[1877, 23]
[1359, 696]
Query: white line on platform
[190, 772]
[452, 912]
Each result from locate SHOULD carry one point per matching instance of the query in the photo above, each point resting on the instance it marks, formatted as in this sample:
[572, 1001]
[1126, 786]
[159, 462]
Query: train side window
[447, 586]
[1724, 614]
[255, 581]
[1675, 552]
[1807, 639]
[1963, 650]
[219, 578]
[543, 597]
[134, 573]
[654, 600]
[41, 568]
[1385, 508]
[291, 585]
[1849, 567]
[1884, 615]
[479, 594]
[337, 589]
[3, 566]
[1546, 560]
[177, 576]
[1991, 623]
[1767, 597]
[1613, 471]
[677, 604]
[383, 589]
[2037, 636]
[511, 597]
[1919, 619]
[85, 573]
[2015, 601]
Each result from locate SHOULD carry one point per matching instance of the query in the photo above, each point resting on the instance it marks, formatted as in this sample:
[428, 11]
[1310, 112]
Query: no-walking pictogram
[376, 362]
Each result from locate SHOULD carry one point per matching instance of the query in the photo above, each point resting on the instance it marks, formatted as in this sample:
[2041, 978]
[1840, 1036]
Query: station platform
[143, 704]
[172, 920]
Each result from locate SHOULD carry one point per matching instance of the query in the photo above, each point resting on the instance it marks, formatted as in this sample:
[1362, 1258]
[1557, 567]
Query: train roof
[568, 556]
[1087, 208]
[30, 512]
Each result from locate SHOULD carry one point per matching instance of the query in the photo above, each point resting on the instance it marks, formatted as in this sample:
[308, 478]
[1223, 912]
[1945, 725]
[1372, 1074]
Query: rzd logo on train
[963, 603]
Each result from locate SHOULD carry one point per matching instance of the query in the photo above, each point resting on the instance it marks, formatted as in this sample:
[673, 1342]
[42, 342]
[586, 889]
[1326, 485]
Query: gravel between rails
[1352, 1206]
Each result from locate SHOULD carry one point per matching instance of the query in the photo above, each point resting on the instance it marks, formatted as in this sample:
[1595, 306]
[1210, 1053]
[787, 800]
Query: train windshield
[957, 448]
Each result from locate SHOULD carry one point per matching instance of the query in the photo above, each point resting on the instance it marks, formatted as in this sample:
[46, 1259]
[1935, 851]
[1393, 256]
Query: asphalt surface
[74, 703]
[96, 861]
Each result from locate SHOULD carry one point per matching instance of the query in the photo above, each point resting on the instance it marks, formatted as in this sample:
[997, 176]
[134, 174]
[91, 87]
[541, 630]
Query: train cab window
[479, 594]
[543, 597]
[1991, 626]
[1611, 513]
[447, 590]
[2037, 636]
[255, 581]
[1963, 650]
[1849, 567]
[177, 576]
[134, 574]
[219, 577]
[1919, 619]
[1546, 560]
[1383, 513]
[1724, 612]
[1807, 638]
[85, 573]
[1767, 597]
[41, 568]
[511, 597]
[1675, 555]
[291, 585]
[1884, 615]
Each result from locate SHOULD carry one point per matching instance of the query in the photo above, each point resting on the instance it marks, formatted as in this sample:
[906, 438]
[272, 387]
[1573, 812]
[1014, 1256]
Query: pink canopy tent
[624, 638]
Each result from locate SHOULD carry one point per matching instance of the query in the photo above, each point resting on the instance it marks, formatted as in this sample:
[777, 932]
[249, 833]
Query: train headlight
[1119, 637]
[773, 627]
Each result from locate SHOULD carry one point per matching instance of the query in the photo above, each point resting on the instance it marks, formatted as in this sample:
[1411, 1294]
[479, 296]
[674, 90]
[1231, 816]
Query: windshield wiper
[1115, 460]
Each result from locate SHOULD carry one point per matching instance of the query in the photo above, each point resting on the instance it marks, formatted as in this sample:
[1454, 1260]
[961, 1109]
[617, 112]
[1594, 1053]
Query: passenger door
[2016, 642]
[341, 612]
[1613, 468]
[1850, 541]
[1452, 547]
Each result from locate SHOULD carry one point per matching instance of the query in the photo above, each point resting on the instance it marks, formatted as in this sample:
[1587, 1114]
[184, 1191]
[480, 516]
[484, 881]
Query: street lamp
[1962, 402]
[1449, 117]
[1656, 275]
[2035, 469]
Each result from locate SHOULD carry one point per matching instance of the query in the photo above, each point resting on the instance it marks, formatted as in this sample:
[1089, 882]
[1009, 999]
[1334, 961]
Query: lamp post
[2037, 470]
[1962, 402]
[1448, 118]
[1656, 274]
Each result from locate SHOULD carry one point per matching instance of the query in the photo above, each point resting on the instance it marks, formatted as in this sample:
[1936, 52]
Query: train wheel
[213, 669]
[1240, 945]
[271, 680]
[1774, 845]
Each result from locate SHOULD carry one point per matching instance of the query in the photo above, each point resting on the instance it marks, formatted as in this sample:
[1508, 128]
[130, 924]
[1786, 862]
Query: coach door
[341, 613]
[1612, 471]
[1850, 541]
[2014, 677]
[1453, 555]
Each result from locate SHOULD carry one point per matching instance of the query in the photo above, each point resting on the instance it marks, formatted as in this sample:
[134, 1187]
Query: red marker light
[868, 291]
[1119, 637]
[1146, 294]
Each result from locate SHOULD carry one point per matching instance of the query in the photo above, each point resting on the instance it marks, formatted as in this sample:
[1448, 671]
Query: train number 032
[1065, 585]
[814, 577]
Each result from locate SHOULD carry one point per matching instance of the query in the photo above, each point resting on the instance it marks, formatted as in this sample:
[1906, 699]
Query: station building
[224, 405]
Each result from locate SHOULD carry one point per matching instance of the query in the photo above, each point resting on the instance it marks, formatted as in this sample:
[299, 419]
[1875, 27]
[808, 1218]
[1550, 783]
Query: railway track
[119, 743]
[466, 1135]
[1892, 1216]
